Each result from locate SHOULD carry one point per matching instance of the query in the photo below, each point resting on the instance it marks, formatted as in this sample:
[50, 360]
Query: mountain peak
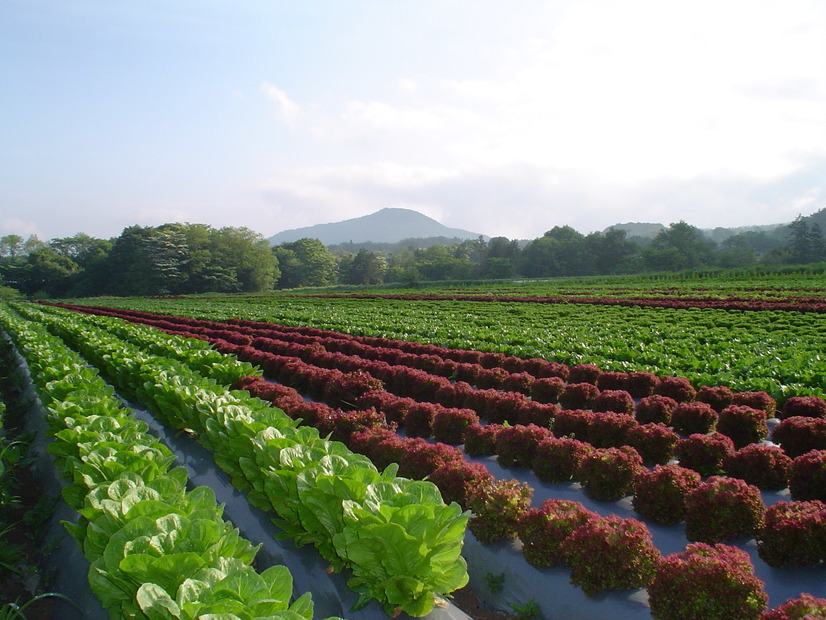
[388, 225]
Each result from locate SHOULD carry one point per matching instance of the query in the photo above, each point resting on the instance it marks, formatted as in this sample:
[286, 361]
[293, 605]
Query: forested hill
[389, 225]
[196, 258]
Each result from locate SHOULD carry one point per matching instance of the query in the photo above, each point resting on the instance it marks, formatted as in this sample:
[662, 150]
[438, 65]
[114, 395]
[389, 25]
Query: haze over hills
[648, 231]
[389, 225]
[393, 225]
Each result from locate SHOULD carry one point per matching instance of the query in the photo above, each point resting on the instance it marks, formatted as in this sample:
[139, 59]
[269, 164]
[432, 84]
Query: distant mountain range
[389, 225]
[393, 225]
[646, 231]
[641, 230]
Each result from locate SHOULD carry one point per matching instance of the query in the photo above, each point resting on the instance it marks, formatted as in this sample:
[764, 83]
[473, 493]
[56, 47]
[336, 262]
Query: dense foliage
[542, 530]
[660, 494]
[143, 260]
[721, 509]
[794, 534]
[187, 258]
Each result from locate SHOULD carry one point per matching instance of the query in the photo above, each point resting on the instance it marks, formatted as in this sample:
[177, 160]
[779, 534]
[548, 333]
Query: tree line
[175, 259]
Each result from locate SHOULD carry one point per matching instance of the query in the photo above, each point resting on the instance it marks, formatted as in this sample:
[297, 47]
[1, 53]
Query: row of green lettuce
[754, 285]
[750, 283]
[155, 549]
[399, 539]
[780, 352]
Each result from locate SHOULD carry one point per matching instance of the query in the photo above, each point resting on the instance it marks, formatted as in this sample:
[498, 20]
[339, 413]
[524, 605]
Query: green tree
[81, 248]
[305, 262]
[736, 255]
[806, 245]
[362, 268]
[800, 240]
[559, 252]
[611, 252]
[47, 273]
[401, 267]
[11, 246]
[759, 241]
[680, 246]
[247, 255]
[499, 258]
[475, 250]
[147, 261]
[14, 264]
[89, 254]
[817, 243]
[441, 262]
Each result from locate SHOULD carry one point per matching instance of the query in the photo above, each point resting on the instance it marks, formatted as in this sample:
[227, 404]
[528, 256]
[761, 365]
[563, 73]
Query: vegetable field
[568, 455]
[782, 352]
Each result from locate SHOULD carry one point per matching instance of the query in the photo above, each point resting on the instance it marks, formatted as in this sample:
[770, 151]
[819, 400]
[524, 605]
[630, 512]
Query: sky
[503, 118]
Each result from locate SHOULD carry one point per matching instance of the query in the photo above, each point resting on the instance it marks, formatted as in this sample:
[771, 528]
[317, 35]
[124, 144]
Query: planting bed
[61, 566]
[778, 351]
[312, 569]
[310, 360]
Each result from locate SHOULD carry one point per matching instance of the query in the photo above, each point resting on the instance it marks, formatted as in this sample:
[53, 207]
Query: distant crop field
[752, 345]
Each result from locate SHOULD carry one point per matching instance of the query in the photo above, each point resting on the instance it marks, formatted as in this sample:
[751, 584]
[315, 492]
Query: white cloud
[383, 116]
[288, 110]
[407, 86]
[580, 112]
[525, 200]
[593, 114]
[158, 216]
[625, 98]
[312, 195]
[17, 226]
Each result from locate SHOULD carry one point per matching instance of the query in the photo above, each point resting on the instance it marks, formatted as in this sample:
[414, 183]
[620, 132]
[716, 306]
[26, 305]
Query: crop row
[323, 493]
[777, 352]
[603, 417]
[606, 473]
[797, 304]
[719, 285]
[155, 549]
[512, 389]
[455, 419]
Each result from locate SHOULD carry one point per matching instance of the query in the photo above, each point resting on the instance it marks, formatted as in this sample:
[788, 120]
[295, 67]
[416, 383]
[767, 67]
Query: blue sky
[498, 117]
